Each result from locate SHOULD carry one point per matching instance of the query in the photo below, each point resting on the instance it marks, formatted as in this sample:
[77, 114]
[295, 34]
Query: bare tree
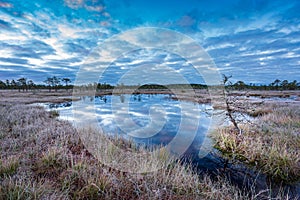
[237, 108]
[229, 102]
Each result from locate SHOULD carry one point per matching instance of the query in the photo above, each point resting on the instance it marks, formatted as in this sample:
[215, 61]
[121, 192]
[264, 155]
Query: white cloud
[265, 22]
[290, 55]
[12, 37]
[6, 53]
[36, 62]
[289, 29]
[219, 46]
[258, 52]
[266, 58]
[67, 32]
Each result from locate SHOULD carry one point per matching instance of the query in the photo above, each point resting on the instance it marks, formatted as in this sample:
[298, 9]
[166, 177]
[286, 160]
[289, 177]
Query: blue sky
[255, 41]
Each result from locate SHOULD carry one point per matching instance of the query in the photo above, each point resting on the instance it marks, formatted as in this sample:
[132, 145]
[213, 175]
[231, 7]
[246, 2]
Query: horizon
[254, 41]
[61, 82]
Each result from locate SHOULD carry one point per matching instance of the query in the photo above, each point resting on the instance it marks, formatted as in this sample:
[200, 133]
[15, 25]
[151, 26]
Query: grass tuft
[8, 167]
[271, 145]
[48, 160]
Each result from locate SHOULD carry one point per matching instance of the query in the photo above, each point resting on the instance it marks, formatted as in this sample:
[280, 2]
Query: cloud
[249, 39]
[94, 5]
[146, 66]
[45, 43]
[6, 5]
[75, 4]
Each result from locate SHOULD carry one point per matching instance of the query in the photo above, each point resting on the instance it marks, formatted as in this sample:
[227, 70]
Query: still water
[146, 119]
[160, 120]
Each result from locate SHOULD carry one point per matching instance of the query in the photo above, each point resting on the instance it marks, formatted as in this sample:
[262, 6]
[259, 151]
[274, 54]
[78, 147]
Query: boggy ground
[197, 95]
[270, 143]
[36, 96]
[44, 158]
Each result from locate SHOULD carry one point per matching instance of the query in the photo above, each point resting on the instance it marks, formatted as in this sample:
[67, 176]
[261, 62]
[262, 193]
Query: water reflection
[149, 119]
[59, 105]
[153, 119]
[170, 112]
[122, 98]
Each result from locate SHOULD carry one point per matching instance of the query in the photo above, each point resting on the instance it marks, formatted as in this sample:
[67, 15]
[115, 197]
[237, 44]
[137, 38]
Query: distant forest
[54, 84]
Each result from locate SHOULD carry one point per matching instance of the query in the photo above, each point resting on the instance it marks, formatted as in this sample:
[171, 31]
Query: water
[148, 120]
[160, 120]
[64, 109]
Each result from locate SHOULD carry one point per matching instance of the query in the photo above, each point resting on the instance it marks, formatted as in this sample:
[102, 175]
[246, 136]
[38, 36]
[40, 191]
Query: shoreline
[46, 97]
[50, 161]
[197, 95]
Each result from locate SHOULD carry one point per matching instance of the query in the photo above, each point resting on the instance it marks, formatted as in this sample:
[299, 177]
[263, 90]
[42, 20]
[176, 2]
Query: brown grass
[44, 158]
[271, 144]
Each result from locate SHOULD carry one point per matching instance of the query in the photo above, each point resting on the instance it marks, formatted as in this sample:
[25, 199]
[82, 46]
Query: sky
[256, 41]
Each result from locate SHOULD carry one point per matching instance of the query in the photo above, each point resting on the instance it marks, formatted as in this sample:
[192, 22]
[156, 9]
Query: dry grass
[8, 167]
[258, 111]
[271, 144]
[44, 158]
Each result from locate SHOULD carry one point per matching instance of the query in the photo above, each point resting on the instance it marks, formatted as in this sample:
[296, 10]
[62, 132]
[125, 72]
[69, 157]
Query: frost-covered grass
[271, 143]
[44, 158]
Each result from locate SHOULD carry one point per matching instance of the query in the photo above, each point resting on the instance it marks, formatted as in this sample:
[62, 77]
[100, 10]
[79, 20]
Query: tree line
[55, 83]
[25, 84]
[275, 85]
[50, 83]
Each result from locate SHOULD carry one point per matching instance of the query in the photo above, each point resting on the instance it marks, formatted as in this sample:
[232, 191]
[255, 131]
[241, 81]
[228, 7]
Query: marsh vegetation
[43, 157]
